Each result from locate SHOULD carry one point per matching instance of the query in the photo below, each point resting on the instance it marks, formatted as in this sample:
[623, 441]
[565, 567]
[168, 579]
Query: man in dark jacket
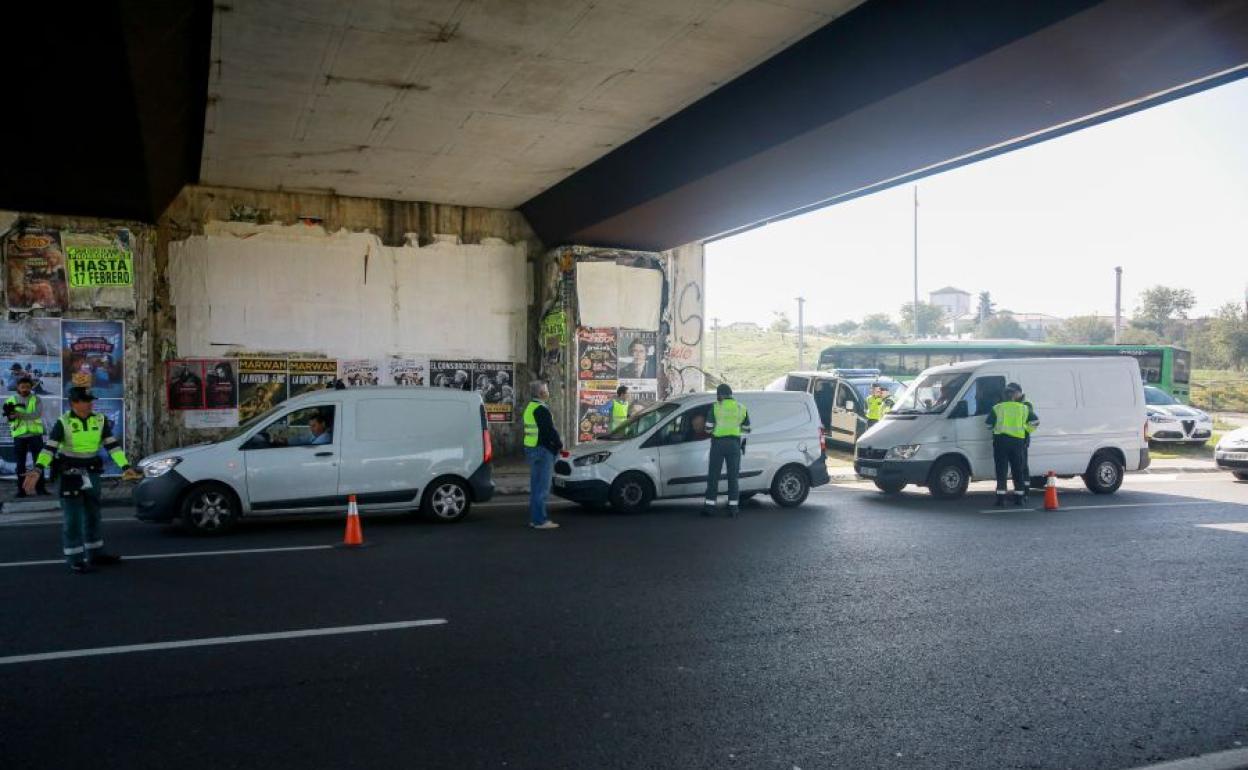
[541, 446]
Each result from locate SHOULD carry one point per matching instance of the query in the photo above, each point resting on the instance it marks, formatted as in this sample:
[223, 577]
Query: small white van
[662, 453]
[1092, 422]
[393, 448]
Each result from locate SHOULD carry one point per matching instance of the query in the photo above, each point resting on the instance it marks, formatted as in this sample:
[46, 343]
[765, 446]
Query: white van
[1092, 418]
[393, 448]
[661, 453]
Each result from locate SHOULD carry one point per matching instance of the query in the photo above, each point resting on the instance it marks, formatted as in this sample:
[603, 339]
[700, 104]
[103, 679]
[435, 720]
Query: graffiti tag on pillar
[685, 318]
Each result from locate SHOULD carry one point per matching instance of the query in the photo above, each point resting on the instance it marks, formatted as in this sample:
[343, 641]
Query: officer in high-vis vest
[619, 407]
[541, 446]
[729, 422]
[24, 412]
[878, 404]
[1011, 421]
[75, 443]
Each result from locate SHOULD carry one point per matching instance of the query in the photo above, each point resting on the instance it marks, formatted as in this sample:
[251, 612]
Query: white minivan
[1092, 418]
[662, 453]
[395, 449]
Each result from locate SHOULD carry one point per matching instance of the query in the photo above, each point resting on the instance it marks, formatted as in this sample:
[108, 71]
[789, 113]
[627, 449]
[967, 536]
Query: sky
[1162, 192]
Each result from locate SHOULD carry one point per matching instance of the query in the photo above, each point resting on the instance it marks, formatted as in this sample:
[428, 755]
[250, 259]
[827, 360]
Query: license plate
[559, 482]
[1234, 455]
[868, 472]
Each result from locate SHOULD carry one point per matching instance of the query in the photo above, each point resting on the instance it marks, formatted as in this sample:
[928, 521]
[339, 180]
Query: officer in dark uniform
[1011, 421]
[75, 443]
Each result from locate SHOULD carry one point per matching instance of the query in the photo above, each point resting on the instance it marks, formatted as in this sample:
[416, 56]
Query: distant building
[744, 326]
[955, 302]
[1037, 325]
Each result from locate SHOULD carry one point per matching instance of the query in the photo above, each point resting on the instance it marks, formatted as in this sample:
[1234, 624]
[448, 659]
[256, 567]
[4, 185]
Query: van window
[1048, 388]
[846, 397]
[824, 390]
[1107, 389]
[686, 427]
[983, 395]
[433, 420]
[797, 384]
[303, 427]
[771, 415]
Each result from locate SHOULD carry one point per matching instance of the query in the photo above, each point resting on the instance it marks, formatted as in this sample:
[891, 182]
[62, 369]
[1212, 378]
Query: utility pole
[801, 334]
[715, 337]
[1117, 303]
[917, 330]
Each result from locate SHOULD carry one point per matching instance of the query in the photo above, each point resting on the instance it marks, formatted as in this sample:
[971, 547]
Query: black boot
[101, 558]
[1000, 501]
[80, 567]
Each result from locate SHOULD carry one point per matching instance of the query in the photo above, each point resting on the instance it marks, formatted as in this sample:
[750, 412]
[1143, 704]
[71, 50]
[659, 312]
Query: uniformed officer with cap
[1012, 421]
[75, 443]
[728, 422]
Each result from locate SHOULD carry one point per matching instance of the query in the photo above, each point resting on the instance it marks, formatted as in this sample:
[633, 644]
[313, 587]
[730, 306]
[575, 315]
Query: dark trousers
[724, 450]
[1009, 454]
[80, 522]
[23, 446]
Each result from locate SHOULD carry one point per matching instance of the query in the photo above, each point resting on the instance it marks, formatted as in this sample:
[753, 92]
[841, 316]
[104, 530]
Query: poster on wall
[596, 354]
[31, 337]
[114, 409]
[210, 419]
[262, 385]
[495, 381]
[220, 386]
[44, 373]
[35, 270]
[93, 356]
[184, 385]
[312, 374]
[96, 261]
[637, 355]
[450, 374]
[593, 414]
[409, 372]
[362, 372]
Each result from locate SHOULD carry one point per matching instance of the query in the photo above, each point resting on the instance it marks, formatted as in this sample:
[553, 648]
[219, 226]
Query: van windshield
[931, 394]
[249, 424]
[640, 422]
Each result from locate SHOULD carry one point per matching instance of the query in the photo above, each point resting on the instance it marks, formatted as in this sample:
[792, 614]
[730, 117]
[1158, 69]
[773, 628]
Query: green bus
[1164, 366]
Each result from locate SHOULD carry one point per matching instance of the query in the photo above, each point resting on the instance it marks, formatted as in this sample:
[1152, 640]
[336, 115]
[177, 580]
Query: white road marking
[218, 640]
[1009, 508]
[182, 555]
[1229, 527]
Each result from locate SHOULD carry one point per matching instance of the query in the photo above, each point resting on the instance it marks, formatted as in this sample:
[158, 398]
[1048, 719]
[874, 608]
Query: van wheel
[1104, 474]
[631, 493]
[790, 487]
[209, 509]
[948, 480]
[890, 487]
[1240, 476]
[446, 500]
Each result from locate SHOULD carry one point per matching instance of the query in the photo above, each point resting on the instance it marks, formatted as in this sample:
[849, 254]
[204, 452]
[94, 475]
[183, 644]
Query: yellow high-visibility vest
[1011, 419]
[728, 415]
[26, 422]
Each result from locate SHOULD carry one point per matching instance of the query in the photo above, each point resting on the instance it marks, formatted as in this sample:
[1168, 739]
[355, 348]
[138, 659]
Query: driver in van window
[321, 432]
[697, 428]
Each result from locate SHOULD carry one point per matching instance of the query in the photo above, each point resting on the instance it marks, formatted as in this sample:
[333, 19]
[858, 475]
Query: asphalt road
[859, 631]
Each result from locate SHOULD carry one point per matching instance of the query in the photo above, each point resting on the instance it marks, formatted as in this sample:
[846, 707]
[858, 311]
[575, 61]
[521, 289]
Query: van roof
[967, 366]
[784, 395]
[350, 395]
[853, 375]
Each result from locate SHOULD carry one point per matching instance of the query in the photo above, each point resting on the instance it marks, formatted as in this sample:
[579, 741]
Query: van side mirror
[959, 410]
[849, 405]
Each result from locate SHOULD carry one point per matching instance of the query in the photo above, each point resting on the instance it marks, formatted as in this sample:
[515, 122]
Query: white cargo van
[393, 448]
[662, 453]
[1092, 418]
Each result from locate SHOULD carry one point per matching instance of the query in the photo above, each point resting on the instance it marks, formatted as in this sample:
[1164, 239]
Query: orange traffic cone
[1050, 492]
[354, 536]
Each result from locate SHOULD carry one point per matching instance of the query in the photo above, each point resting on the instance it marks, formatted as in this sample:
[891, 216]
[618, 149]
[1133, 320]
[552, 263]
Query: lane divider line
[182, 555]
[219, 640]
[1241, 527]
[1066, 508]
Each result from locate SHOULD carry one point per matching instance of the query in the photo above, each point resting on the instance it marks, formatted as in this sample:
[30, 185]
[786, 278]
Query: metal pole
[801, 338]
[917, 330]
[1117, 303]
[715, 337]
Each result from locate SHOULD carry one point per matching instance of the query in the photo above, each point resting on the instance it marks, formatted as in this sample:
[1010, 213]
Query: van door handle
[324, 454]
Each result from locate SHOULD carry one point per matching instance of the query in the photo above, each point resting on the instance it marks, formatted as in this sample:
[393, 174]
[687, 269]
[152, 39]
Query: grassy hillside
[750, 360]
[1219, 390]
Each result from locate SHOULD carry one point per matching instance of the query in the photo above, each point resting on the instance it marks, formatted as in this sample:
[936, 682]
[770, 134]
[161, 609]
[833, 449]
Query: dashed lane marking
[1238, 526]
[1009, 508]
[124, 649]
[180, 555]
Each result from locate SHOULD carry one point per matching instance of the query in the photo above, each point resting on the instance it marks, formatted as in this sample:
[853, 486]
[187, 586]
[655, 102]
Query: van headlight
[903, 452]
[157, 468]
[594, 459]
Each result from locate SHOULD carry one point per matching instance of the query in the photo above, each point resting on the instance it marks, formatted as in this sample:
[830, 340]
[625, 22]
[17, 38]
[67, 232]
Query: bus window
[889, 363]
[913, 364]
[973, 355]
[1150, 366]
[1182, 366]
[939, 359]
[798, 384]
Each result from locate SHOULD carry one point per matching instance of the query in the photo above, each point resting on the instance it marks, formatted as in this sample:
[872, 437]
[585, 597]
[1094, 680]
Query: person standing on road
[1010, 420]
[24, 412]
[541, 446]
[877, 404]
[728, 423]
[75, 443]
[619, 407]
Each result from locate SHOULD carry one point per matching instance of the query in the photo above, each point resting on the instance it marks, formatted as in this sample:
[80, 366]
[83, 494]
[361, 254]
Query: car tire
[1104, 475]
[1239, 475]
[890, 487]
[949, 479]
[209, 509]
[790, 487]
[446, 501]
[631, 492]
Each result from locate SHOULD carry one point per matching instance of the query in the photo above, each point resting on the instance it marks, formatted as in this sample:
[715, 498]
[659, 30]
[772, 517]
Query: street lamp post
[1117, 303]
[801, 338]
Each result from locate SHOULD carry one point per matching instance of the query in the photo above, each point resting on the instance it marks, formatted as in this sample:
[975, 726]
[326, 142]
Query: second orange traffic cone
[1050, 492]
[354, 535]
